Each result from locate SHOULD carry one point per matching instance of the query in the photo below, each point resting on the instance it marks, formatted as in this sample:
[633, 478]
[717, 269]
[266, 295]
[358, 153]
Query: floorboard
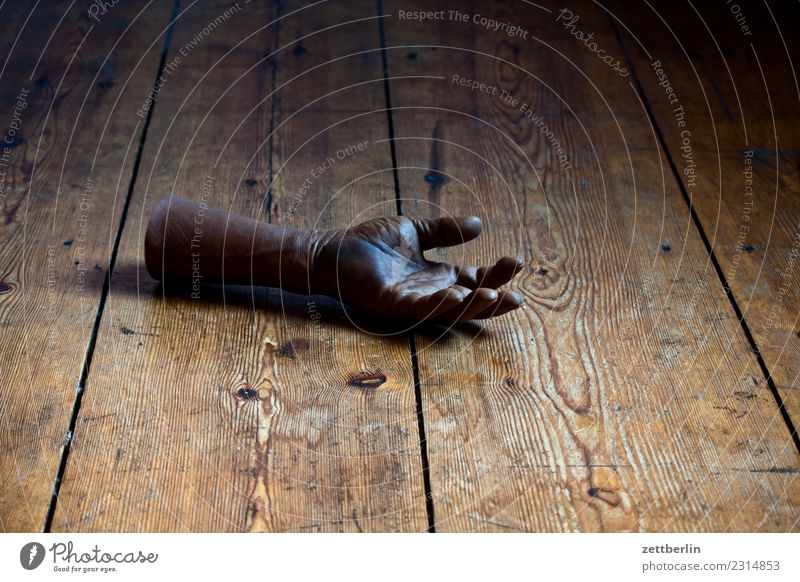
[68, 166]
[619, 399]
[251, 411]
[649, 383]
[742, 107]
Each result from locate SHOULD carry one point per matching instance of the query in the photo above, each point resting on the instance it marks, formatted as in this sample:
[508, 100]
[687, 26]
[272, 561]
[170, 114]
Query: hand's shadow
[134, 279]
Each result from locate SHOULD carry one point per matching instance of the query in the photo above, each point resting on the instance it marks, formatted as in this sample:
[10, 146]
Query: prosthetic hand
[377, 266]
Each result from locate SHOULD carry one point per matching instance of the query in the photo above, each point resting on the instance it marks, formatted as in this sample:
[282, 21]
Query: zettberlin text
[667, 549]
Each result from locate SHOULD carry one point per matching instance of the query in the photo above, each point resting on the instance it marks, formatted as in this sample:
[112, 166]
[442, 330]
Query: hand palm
[380, 268]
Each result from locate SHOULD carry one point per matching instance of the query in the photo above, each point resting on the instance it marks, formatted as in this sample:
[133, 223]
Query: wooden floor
[650, 175]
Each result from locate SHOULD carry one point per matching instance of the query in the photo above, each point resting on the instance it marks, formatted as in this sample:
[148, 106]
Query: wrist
[295, 259]
[322, 259]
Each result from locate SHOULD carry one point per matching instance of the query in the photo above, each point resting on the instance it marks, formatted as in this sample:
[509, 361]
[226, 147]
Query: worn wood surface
[66, 171]
[243, 411]
[624, 396]
[618, 399]
[740, 96]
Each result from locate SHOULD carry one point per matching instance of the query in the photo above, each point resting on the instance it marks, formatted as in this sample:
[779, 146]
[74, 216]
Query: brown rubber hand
[377, 266]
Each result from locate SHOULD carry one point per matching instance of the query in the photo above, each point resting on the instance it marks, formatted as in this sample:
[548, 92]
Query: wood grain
[248, 409]
[624, 395]
[68, 100]
[738, 90]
